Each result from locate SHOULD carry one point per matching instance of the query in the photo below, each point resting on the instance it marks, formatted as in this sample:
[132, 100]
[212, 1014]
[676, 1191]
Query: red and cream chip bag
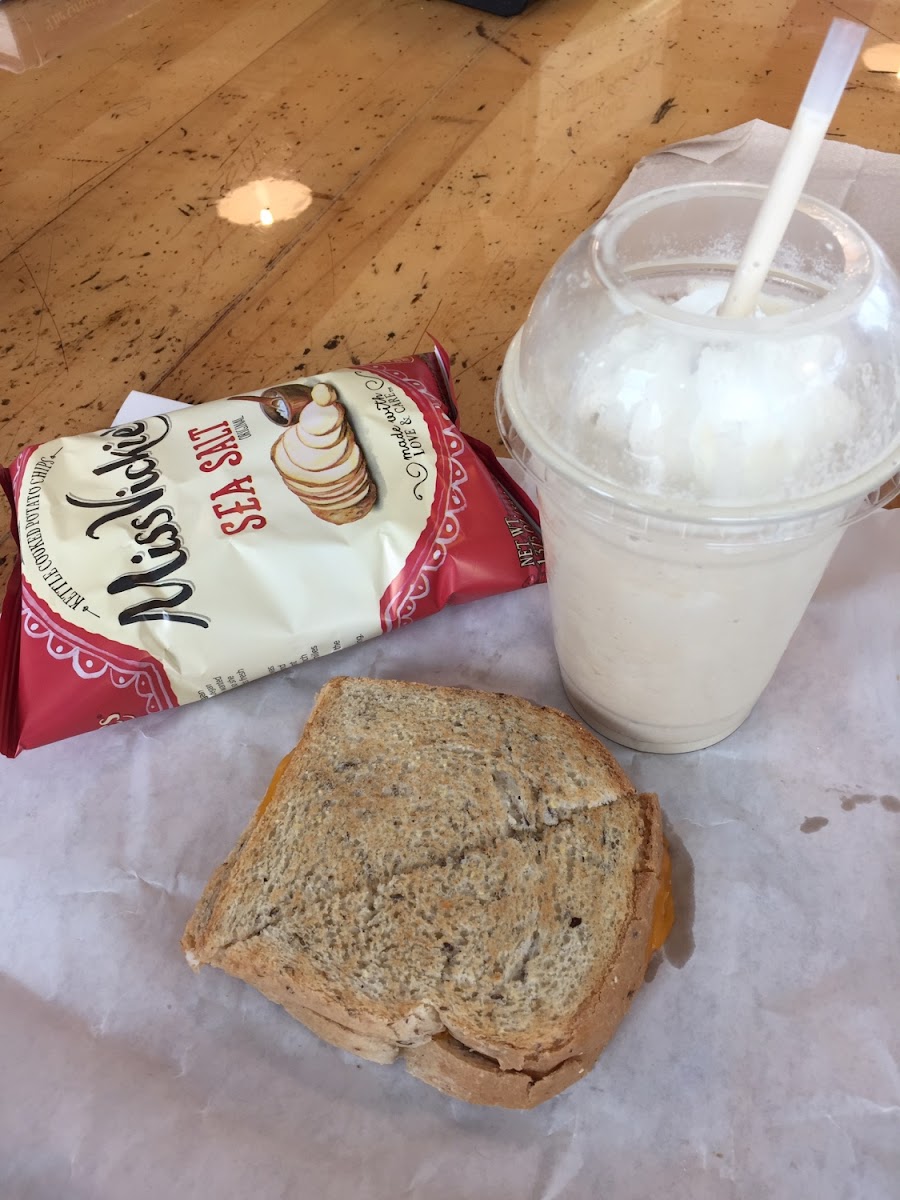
[172, 558]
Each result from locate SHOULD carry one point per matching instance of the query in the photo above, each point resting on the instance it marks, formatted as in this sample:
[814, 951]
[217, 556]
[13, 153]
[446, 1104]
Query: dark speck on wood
[664, 109]
[489, 37]
[334, 342]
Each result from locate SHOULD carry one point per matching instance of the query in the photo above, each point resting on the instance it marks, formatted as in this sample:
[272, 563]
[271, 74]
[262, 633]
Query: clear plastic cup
[695, 474]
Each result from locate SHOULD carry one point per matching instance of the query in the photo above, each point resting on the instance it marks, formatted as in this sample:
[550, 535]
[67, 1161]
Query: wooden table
[438, 160]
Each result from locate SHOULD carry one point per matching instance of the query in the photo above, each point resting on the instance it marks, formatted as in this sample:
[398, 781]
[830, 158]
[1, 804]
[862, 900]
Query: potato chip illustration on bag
[318, 456]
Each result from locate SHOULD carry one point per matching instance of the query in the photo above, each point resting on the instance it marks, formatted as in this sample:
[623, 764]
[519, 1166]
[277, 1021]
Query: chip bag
[175, 557]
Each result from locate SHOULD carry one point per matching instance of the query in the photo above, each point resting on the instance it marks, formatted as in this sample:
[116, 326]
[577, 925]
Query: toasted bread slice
[458, 877]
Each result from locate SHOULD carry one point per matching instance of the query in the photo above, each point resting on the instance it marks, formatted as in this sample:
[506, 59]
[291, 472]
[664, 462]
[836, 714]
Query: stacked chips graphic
[320, 460]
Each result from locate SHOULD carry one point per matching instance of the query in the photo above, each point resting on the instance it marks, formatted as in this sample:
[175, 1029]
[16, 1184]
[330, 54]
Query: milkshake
[696, 472]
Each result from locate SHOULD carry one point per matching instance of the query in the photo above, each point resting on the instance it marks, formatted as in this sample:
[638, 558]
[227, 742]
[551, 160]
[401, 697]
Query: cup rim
[859, 250]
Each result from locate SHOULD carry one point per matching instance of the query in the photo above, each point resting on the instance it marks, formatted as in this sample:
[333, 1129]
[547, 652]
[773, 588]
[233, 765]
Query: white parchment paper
[761, 1059]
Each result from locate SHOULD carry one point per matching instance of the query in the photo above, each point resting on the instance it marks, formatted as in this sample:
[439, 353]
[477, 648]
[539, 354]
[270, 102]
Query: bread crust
[454, 1069]
[444, 1052]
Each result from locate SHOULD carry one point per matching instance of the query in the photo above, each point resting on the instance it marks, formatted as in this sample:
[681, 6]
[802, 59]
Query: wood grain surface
[438, 160]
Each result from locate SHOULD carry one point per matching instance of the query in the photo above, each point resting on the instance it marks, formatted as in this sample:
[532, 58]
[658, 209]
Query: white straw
[821, 98]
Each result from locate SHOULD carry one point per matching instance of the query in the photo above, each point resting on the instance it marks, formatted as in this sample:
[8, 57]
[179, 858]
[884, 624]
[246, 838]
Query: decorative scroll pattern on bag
[400, 609]
[89, 662]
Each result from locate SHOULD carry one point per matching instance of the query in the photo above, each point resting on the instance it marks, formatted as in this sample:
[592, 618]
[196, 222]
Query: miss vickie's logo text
[160, 547]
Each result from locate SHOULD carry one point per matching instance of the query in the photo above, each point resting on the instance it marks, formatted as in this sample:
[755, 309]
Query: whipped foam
[729, 421]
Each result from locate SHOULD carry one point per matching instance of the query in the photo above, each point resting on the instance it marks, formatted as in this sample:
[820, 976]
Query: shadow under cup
[672, 606]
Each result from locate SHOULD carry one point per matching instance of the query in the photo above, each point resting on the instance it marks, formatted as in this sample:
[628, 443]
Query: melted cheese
[663, 907]
[270, 790]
